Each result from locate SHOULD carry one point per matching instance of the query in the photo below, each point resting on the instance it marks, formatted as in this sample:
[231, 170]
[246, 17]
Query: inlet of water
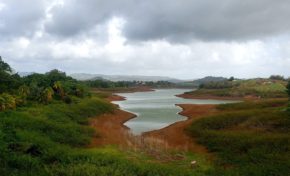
[157, 109]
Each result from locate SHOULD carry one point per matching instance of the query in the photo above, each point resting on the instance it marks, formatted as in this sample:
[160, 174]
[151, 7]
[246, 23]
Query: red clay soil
[111, 130]
[188, 96]
[115, 98]
[175, 135]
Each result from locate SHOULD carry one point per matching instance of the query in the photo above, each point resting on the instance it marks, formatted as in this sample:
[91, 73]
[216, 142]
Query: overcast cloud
[183, 39]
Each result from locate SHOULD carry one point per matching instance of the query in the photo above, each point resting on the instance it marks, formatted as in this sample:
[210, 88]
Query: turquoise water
[157, 109]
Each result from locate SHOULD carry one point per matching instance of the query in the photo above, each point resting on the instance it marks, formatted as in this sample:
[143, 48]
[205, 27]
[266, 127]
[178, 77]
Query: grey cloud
[75, 17]
[177, 20]
[20, 18]
[208, 20]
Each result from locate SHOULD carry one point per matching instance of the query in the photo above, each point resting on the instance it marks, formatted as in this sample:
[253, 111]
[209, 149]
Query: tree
[57, 87]
[8, 81]
[46, 95]
[7, 102]
[24, 91]
[276, 77]
[231, 78]
[56, 75]
[4, 66]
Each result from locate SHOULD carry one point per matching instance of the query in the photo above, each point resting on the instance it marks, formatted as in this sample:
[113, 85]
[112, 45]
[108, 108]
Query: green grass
[51, 140]
[248, 138]
[255, 87]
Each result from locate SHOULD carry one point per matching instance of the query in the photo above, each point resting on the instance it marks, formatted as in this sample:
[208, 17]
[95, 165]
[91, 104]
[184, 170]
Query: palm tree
[24, 91]
[7, 102]
[46, 95]
[57, 87]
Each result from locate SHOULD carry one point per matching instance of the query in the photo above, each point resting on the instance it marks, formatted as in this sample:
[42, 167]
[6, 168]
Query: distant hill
[208, 79]
[22, 74]
[85, 76]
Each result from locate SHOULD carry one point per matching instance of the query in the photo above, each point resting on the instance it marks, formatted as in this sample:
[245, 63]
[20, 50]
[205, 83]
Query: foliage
[277, 77]
[7, 102]
[288, 89]
[248, 138]
[8, 80]
[46, 140]
[46, 95]
[217, 85]
[38, 87]
[263, 88]
[39, 134]
[231, 78]
[101, 83]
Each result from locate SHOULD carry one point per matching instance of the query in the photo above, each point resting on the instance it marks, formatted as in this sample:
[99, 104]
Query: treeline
[218, 85]
[53, 85]
[101, 83]
[43, 88]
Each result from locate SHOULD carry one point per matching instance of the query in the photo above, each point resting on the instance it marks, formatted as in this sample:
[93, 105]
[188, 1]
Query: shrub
[67, 100]
[7, 101]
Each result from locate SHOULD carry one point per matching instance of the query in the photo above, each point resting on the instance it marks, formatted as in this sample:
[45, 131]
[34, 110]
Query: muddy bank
[175, 137]
[110, 127]
[111, 130]
[204, 97]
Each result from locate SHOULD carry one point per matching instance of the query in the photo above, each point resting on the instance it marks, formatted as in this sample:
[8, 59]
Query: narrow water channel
[157, 109]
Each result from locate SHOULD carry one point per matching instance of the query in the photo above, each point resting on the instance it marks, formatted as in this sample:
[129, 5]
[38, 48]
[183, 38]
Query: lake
[157, 109]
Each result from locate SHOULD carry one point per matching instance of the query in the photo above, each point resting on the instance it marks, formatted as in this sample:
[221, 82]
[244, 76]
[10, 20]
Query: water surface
[157, 109]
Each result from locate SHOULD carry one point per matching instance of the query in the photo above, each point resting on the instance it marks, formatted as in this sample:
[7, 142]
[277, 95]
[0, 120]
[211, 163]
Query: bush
[67, 100]
[7, 102]
[276, 77]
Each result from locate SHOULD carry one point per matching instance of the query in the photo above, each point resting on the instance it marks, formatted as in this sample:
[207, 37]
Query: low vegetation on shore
[274, 87]
[248, 138]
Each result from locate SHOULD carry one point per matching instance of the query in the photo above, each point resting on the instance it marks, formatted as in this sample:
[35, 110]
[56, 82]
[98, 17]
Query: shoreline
[110, 128]
[206, 97]
[112, 131]
[175, 135]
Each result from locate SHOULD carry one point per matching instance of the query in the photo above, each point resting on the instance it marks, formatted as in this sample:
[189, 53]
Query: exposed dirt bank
[110, 127]
[188, 96]
[175, 136]
[112, 131]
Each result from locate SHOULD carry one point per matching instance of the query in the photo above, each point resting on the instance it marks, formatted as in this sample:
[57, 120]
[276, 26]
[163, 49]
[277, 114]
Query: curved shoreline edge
[112, 131]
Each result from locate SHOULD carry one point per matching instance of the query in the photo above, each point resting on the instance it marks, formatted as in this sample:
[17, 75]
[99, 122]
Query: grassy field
[249, 138]
[52, 140]
[263, 88]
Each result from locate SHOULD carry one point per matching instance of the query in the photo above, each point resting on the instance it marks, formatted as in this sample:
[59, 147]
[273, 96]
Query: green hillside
[249, 138]
[259, 88]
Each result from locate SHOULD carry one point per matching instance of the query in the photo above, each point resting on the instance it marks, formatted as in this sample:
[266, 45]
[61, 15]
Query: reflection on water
[157, 109]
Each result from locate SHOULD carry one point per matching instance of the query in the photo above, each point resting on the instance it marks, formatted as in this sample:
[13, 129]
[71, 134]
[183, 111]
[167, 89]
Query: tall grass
[248, 138]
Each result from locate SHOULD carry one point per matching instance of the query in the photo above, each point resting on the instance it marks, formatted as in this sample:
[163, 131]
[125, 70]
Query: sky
[183, 39]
